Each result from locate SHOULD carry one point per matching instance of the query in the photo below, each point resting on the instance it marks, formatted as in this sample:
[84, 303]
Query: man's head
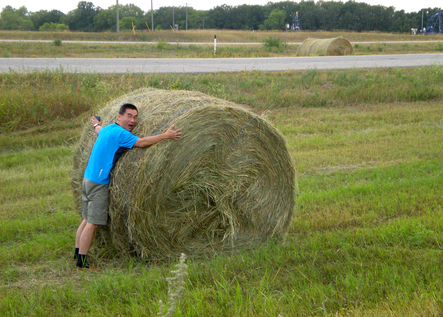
[127, 116]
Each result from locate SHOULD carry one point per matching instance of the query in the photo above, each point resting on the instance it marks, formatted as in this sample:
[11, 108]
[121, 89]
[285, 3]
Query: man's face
[128, 119]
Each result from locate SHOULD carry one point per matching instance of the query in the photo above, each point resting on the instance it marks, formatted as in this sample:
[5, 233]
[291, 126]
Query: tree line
[320, 15]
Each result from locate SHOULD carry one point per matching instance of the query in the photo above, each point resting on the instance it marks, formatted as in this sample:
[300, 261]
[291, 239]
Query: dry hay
[325, 47]
[227, 183]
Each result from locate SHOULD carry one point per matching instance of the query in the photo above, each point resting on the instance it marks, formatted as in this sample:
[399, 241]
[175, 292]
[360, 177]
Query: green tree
[219, 17]
[126, 23]
[106, 19]
[165, 16]
[195, 19]
[41, 17]
[328, 15]
[82, 18]
[275, 21]
[310, 15]
[15, 19]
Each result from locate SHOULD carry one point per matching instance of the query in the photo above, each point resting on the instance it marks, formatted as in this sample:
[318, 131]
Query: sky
[67, 5]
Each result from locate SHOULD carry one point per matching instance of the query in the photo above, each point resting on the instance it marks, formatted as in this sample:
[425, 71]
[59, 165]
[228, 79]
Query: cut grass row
[38, 98]
[164, 50]
[207, 36]
[366, 239]
[160, 49]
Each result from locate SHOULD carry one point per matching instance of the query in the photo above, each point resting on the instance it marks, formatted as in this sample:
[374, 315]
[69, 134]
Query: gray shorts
[95, 202]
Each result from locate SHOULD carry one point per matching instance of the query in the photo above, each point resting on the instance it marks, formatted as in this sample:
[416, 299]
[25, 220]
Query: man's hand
[152, 139]
[94, 121]
[96, 124]
[173, 134]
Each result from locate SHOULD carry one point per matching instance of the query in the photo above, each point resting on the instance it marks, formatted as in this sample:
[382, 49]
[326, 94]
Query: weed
[57, 42]
[179, 85]
[176, 286]
[274, 43]
[161, 45]
[308, 77]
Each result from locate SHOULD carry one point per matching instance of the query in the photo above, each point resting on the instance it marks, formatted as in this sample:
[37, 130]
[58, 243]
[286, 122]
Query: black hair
[127, 106]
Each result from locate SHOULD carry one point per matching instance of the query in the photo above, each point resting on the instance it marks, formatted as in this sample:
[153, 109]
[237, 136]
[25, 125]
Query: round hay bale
[325, 47]
[227, 183]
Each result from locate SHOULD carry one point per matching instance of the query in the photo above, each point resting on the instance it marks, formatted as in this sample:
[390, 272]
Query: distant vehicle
[434, 24]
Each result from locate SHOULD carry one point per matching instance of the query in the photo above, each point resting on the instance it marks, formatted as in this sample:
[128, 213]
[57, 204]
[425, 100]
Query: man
[111, 142]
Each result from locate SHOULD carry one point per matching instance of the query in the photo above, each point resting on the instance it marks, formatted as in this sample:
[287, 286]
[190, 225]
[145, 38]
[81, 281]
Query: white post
[215, 45]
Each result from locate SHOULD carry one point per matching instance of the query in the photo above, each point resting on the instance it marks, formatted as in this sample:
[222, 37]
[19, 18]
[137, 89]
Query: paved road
[214, 65]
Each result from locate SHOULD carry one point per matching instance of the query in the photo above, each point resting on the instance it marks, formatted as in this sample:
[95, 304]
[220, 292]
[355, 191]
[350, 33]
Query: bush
[53, 27]
[161, 44]
[57, 42]
[273, 42]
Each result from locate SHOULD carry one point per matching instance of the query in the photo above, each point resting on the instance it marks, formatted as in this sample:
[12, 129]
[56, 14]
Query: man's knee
[91, 227]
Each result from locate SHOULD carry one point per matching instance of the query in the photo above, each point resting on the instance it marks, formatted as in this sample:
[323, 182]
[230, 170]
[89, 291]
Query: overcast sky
[68, 5]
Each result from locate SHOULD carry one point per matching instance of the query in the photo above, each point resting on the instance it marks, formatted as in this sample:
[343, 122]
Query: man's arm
[152, 139]
[96, 125]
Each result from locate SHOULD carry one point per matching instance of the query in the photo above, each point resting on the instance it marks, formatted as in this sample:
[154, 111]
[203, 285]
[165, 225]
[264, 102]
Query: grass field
[367, 144]
[165, 50]
[366, 239]
[155, 45]
[207, 36]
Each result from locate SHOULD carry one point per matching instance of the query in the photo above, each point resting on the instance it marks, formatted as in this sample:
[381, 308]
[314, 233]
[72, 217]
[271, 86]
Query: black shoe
[88, 268]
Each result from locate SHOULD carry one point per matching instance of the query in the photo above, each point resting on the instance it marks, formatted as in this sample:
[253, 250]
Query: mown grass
[164, 50]
[366, 239]
[160, 50]
[39, 98]
[207, 36]
[155, 45]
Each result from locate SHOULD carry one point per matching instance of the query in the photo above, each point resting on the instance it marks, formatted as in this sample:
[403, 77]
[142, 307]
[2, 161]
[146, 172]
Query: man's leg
[79, 233]
[86, 238]
[95, 203]
[77, 238]
[85, 242]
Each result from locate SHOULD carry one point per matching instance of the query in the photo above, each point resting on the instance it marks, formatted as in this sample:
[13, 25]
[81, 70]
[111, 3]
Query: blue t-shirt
[110, 144]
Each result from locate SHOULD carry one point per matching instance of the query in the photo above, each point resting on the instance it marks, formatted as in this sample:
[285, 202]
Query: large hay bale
[325, 47]
[227, 183]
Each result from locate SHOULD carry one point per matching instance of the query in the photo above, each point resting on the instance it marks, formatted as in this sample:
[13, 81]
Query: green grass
[155, 45]
[40, 98]
[272, 47]
[207, 36]
[366, 239]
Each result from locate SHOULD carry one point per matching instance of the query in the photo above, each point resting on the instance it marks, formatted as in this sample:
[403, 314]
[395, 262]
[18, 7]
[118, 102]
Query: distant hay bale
[228, 183]
[325, 47]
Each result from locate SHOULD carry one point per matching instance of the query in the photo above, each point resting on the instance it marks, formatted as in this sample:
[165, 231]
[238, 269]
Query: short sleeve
[127, 139]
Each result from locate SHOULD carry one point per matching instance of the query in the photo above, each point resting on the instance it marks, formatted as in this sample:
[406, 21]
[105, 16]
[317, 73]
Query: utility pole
[173, 21]
[203, 22]
[187, 15]
[118, 20]
[152, 17]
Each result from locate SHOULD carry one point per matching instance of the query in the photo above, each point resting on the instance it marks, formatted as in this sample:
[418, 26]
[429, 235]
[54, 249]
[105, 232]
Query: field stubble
[366, 239]
[155, 45]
